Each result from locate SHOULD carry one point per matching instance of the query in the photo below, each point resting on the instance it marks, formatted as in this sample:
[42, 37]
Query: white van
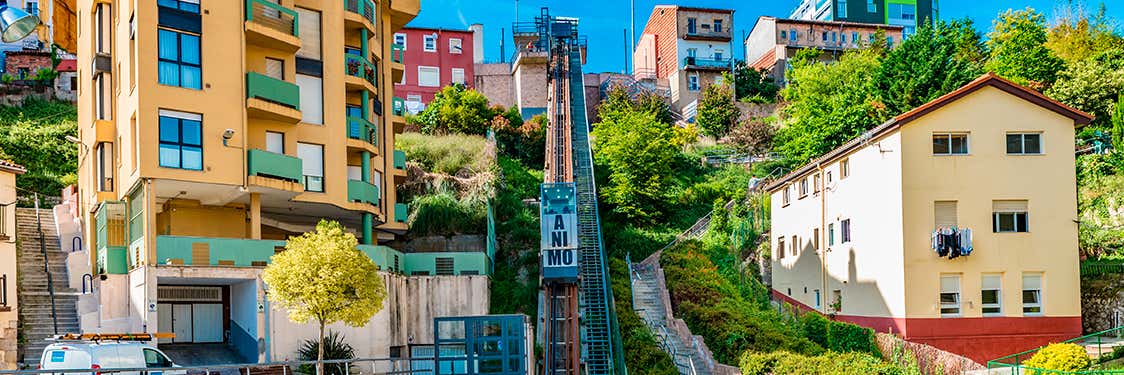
[104, 355]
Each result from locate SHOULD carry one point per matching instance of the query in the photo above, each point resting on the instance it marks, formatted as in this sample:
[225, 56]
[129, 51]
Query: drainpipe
[823, 233]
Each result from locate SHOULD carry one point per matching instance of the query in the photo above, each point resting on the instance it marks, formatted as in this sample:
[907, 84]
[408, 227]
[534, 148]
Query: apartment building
[774, 41]
[9, 314]
[212, 131]
[688, 47]
[904, 13]
[435, 58]
[952, 224]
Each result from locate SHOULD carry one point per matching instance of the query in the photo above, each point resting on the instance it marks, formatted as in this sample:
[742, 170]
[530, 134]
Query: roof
[986, 80]
[441, 29]
[28, 53]
[696, 9]
[12, 167]
[68, 65]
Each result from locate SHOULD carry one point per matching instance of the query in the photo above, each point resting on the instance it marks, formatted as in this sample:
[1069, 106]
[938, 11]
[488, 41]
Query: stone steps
[649, 304]
[36, 322]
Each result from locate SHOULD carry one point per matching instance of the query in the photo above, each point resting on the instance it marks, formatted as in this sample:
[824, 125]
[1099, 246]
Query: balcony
[274, 171]
[362, 192]
[271, 25]
[708, 34]
[397, 58]
[398, 114]
[360, 14]
[109, 226]
[401, 213]
[272, 99]
[402, 12]
[363, 130]
[361, 74]
[386, 258]
[210, 251]
[706, 64]
[399, 160]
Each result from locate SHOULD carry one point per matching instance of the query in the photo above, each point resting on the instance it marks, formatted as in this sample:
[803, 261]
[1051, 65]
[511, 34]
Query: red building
[434, 58]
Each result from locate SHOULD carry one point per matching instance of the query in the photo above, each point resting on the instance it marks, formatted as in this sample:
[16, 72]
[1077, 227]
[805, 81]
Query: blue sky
[604, 21]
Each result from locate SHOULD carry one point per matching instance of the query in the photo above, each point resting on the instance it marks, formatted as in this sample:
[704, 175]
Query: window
[816, 239]
[889, 40]
[275, 68]
[312, 160]
[831, 234]
[845, 168]
[429, 43]
[1024, 144]
[784, 34]
[691, 25]
[816, 183]
[870, 7]
[275, 142]
[837, 298]
[1009, 216]
[309, 33]
[803, 187]
[786, 195]
[841, 9]
[104, 153]
[455, 46]
[179, 60]
[817, 298]
[1032, 294]
[153, 359]
[854, 37]
[718, 55]
[795, 245]
[824, 36]
[846, 229]
[101, 87]
[829, 177]
[429, 76]
[181, 140]
[834, 36]
[400, 39]
[693, 82]
[944, 214]
[191, 6]
[311, 98]
[32, 8]
[991, 301]
[692, 52]
[843, 38]
[901, 12]
[717, 26]
[950, 295]
[792, 35]
[458, 76]
[780, 247]
[950, 144]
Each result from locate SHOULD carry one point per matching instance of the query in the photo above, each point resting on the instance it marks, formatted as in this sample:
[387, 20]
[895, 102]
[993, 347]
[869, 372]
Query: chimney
[477, 42]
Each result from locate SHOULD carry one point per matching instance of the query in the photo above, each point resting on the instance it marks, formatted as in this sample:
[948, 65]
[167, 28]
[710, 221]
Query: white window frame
[845, 231]
[402, 41]
[455, 72]
[954, 307]
[429, 43]
[844, 168]
[948, 138]
[803, 187]
[435, 70]
[458, 43]
[996, 213]
[1037, 290]
[780, 247]
[786, 195]
[414, 98]
[841, 11]
[1022, 146]
[306, 152]
[997, 280]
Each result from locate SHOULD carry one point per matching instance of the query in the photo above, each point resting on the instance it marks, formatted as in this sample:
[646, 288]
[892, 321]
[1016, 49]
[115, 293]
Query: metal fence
[1101, 347]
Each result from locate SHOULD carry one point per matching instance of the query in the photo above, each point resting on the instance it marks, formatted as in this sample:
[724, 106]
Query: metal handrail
[1018, 357]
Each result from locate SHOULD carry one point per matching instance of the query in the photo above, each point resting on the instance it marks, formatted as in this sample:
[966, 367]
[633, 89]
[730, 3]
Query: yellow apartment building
[212, 130]
[9, 306]
[953, 224]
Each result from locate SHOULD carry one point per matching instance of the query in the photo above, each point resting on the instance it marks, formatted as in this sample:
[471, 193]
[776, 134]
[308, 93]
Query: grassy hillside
[34, 135]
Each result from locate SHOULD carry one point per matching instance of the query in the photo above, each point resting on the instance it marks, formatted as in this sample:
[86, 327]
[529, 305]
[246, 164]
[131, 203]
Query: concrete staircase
[650, 301]
[36, 321]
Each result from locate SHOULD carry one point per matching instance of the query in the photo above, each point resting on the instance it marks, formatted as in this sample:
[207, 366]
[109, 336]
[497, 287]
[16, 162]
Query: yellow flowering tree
[321, 276]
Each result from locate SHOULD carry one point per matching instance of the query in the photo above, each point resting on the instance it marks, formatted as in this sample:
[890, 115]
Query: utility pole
[46, 264]
[625, 36]
[632, 31]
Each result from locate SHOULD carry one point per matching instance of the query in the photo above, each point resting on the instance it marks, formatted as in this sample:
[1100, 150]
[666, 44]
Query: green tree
[1078, 35]
[754, 85]
[618, 102]
[321, 276]
[828, 104]
[1118, 124]
[636, 149]
[753, 136]
[456, 109]
[1092, 85]
[34, 136]
[937, 59]
[716, 110]
[1018, 52]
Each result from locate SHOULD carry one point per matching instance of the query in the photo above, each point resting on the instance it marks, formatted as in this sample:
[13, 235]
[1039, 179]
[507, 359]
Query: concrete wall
[9, 314]
[661, 25]
[530, 77]
[495, 82]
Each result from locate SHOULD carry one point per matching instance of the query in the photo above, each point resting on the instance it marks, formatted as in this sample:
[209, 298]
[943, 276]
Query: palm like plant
[334, 348]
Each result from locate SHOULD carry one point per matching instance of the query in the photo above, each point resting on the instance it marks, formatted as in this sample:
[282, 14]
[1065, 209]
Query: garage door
[207, 322]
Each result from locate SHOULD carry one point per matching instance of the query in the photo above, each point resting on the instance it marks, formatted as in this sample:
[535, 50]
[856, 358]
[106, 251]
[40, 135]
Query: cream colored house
[9, 306]
[852, 231]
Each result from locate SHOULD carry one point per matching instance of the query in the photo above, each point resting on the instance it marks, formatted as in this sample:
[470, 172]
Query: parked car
[109, 355]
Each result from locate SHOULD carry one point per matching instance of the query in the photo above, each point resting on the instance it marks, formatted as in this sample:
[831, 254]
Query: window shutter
[312, 159]
[1032, 281]
[991, 282]
[1009, 206]
[944, 213]
[950, 284]
[275, 68]
[309, 34]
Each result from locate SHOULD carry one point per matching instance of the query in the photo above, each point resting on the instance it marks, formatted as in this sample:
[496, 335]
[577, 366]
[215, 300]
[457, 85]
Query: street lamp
[15, 24]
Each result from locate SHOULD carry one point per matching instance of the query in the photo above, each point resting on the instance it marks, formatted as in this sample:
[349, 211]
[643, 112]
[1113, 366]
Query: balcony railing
[210, 251]
[109, 226]
[438, 263]
[273, 165]
[401, 212]
[399, 159]
[397, 53]
[365, 8]
[706, 63]
[273, 90]
[272, 15]
[398, 106]
[357, 66]
[709, 34]
[361, 191]
[358, 128]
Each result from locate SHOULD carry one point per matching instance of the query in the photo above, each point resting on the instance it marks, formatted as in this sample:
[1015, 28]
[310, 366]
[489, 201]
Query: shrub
[447, 154]
[830, 363]
[1059, 357]
[815, 328]
[847, 337]
[443, 214]
[334, 348]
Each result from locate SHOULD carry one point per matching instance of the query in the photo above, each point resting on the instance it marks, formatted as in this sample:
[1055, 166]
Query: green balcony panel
[113, 260]
[397, 53]
[270, 164]
[400, 212]
[357, 66]
[398, 106]
[238, 252]
[358, 128]
[360, 191]
[365, 8]
[386, 258]
[272, 90]
[109, 226]
[447, 263]
[399, 159]
[273, 16]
